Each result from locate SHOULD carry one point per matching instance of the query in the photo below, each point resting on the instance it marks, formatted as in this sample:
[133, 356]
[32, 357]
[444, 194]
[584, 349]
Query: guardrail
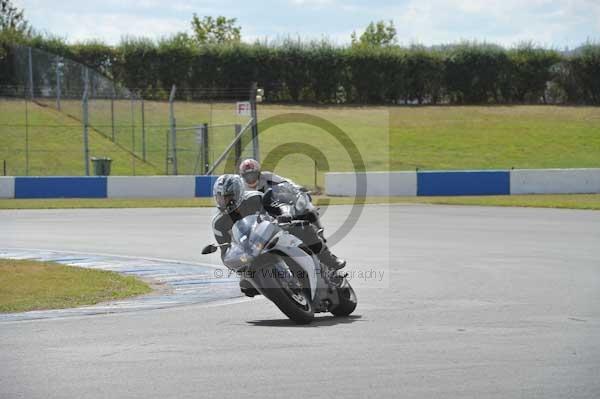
[418, 183]
[107, 187]
[468, 182]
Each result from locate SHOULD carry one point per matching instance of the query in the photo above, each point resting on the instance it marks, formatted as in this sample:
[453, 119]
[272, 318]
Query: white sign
[243, 108]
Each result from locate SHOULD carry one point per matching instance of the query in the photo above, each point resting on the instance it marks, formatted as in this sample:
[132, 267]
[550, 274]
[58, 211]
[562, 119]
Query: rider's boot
[330, 260]
[247, 288]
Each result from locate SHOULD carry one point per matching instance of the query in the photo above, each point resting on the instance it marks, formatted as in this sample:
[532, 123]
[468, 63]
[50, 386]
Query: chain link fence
[62, 114]
[206, 123]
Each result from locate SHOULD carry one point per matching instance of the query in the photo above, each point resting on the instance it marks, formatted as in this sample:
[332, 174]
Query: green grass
[496, 137]
[28, 285]
[389, 138]
[573, 201]
[406, 138]
[567, 201]
[55, 142]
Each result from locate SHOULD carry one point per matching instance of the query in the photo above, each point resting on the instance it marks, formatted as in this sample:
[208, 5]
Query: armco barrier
[204, 186]
[7, 187]
[378, 183]
[151, 187]
[463, 183]
[107, 187]
[554, 181]
[518, 181]
[60, 187]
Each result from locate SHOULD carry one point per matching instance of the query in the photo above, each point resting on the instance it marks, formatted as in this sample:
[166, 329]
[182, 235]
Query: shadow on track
[322, 321]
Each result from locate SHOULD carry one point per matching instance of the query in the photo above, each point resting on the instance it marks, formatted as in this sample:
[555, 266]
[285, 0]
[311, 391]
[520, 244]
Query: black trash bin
[101, 166]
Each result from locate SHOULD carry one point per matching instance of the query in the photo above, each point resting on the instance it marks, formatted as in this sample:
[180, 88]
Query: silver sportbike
[281, 267]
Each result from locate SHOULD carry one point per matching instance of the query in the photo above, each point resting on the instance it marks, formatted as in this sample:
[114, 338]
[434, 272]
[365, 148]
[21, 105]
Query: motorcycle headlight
[258, 246]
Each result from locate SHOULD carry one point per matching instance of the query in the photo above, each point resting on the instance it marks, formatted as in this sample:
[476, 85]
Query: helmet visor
[251, 177]
[225, 202]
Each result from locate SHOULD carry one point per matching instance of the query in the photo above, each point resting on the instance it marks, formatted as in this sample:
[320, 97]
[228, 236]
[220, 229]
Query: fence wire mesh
[44, 118]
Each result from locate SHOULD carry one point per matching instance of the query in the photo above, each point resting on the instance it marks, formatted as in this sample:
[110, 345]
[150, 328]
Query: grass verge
[29, 285]
[571, 201]
[388, 138]
[567, 201]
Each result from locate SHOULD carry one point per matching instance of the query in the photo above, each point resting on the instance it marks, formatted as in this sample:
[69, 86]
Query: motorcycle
[281, 267]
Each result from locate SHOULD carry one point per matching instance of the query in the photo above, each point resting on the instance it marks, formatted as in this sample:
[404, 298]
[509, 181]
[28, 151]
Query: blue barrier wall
[204, 185]
[60, 187]
[463, 183]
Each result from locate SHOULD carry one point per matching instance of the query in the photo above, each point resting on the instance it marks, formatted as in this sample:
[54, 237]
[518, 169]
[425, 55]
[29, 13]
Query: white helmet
[250, 172]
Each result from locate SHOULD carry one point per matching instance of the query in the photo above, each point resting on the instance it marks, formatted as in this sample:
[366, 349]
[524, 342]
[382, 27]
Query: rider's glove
[285, 218]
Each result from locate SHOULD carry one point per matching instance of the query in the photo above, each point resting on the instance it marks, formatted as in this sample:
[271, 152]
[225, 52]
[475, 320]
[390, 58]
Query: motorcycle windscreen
[242, 228]
[259, 237]
[252, 234]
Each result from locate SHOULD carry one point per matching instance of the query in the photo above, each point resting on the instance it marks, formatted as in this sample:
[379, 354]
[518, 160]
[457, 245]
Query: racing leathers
[267, 180]
[223, 222]
[251, 204]
[270, 180]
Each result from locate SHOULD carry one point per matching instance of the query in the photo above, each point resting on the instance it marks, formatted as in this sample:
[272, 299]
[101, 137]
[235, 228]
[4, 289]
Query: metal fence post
[254, 115]
[112, 111]
[172, 124]
[143, 131]
[132, 133]
[205, 147]
[30, 73]
[86, 149]
[26, 135]
[238, 146]
[58, 90]
[167, 151]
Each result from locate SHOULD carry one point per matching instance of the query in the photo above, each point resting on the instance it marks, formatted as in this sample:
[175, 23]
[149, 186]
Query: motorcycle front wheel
[294, 303]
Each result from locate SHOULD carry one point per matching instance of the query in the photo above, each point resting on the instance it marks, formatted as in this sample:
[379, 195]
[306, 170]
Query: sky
[557, 24]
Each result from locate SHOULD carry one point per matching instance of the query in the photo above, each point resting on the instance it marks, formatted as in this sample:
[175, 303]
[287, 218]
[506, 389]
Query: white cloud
[112, 27]
[547, 22]
[318, 3]
[506, 22]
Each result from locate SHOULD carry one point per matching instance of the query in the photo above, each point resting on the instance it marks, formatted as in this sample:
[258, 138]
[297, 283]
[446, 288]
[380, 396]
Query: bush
[585, 72]
[529, 74]
[474, 73]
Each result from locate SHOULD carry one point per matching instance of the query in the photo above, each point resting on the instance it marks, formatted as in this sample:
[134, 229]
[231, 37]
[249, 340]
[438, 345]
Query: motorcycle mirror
[209, 249]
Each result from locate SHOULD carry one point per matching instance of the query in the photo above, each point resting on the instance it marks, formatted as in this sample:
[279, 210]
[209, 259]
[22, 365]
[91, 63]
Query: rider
[254, 179]
[260, 181]
[235, 203]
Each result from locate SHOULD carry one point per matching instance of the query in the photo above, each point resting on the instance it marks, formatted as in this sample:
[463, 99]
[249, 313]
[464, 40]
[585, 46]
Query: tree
[12, 19]
[377, 34]
[209, 30]
[13, 30]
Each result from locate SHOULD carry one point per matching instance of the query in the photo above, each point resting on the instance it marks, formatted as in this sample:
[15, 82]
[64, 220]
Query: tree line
[372, 70]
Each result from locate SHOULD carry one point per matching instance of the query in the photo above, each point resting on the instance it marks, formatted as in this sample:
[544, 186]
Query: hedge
[320, 72]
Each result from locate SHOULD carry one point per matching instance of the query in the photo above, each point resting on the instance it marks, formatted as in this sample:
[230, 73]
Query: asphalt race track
[454, 302]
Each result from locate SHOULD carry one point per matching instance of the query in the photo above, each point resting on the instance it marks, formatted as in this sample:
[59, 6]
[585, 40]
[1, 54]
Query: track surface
[475, 303]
